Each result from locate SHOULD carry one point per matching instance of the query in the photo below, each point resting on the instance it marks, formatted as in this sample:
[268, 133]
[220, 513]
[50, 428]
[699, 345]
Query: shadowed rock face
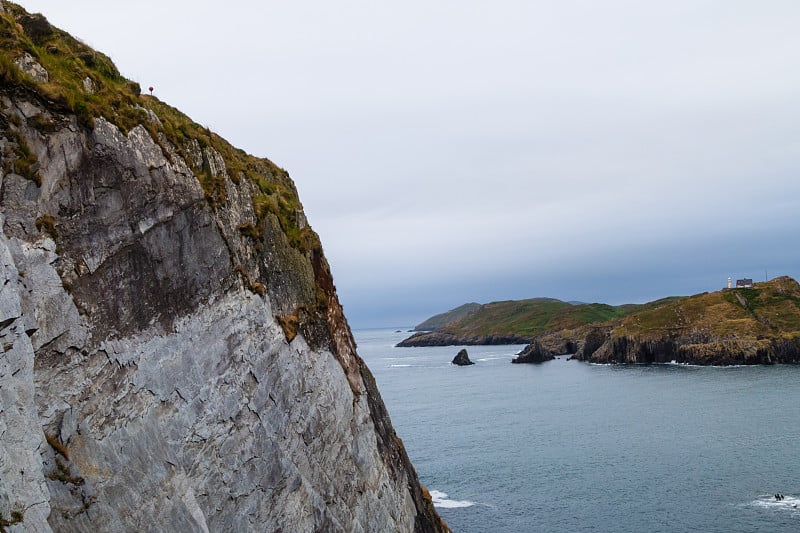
[691, 351]
[462, 359]
[533, 353]
[163, 370]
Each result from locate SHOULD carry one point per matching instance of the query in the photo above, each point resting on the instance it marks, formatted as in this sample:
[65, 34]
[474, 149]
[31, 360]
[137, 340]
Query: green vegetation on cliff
[769, 309]
[87, 84]
[527, 318]
[523, 319]
[441, 319]
[759, 325]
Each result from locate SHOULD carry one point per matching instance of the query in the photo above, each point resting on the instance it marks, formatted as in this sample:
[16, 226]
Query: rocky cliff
[533, 353]
[759, 325]
[174, 355]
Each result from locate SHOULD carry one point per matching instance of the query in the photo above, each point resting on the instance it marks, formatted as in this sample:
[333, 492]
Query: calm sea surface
[568, 446]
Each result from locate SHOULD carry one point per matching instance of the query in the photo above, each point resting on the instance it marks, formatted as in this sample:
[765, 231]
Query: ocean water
[569, 446]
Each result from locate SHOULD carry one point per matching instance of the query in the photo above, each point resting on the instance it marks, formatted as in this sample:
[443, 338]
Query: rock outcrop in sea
[462, 358]
[174, 355]
[533, 353]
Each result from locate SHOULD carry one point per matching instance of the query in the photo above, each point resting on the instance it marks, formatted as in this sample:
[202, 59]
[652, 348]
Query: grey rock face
[533, 353]
[22, 481]
[462, 358]
[31, 67]
[145, 384]
[88, 85]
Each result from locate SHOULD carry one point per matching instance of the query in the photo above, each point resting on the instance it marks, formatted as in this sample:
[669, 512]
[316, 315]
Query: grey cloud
[453, 151]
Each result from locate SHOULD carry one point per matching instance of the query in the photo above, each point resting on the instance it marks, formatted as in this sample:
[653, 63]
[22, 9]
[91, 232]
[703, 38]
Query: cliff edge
[758, 325]
[174, 354]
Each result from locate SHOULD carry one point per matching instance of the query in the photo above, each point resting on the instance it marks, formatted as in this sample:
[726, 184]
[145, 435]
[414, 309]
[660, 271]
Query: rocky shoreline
[752, 326]
[534, 353]
[438, 338]
[709, 352]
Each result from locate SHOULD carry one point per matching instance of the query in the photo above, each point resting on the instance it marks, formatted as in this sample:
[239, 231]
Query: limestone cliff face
[174, 358]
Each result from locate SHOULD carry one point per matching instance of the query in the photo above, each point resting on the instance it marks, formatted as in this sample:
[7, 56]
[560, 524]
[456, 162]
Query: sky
[450, 151]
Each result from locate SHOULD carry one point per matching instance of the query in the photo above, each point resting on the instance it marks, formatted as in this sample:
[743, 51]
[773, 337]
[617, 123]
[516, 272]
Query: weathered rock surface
[27, 64]
[533, 353]
[462, 358]
[688, 350]
[163, 371]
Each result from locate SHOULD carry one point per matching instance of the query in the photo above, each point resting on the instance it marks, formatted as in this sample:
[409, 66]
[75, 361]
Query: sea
[571, 446]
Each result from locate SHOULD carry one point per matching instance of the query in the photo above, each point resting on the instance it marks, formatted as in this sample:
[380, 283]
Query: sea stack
[462, 358]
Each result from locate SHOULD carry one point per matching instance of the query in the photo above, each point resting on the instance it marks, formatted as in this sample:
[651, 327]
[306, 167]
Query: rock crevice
[146, 381]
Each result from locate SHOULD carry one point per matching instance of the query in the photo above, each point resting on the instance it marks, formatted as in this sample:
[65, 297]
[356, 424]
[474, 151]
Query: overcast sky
[449, 151]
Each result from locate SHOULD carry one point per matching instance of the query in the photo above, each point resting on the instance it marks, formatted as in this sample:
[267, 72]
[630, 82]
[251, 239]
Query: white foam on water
[788, 503]
[398, 366]
[440, 499]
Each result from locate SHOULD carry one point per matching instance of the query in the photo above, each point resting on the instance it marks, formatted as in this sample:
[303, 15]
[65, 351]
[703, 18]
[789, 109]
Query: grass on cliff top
[770, 309]
[528, 318]
[70, 62]
[442, 319]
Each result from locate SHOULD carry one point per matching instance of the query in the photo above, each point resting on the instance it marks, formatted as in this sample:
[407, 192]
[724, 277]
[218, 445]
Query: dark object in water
[462, 359]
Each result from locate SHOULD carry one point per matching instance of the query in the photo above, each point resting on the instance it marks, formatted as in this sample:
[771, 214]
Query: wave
[500, 357]
[440, 499]
[790, 503]
[399, 366]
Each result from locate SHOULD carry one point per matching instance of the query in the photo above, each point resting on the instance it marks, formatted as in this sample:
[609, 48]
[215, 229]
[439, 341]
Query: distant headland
[746, 323]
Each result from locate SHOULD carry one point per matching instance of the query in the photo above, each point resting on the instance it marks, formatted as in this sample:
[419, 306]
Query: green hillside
[437, 321]
[528, 318]
[515, 321]
[758, 325]
[769, 309]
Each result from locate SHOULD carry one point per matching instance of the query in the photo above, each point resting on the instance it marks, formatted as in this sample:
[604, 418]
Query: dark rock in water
[462, 358]
[533, 353]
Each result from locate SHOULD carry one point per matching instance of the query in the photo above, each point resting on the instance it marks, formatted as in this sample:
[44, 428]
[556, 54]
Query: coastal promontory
[513, 321]
[754, 325]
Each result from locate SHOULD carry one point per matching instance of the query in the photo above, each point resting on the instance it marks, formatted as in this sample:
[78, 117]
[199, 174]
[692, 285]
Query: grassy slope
[441, 319]
[69, 62]
[528, 318]
[770, 309]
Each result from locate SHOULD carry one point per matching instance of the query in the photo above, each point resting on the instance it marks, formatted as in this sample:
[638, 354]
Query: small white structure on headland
[745, 283]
